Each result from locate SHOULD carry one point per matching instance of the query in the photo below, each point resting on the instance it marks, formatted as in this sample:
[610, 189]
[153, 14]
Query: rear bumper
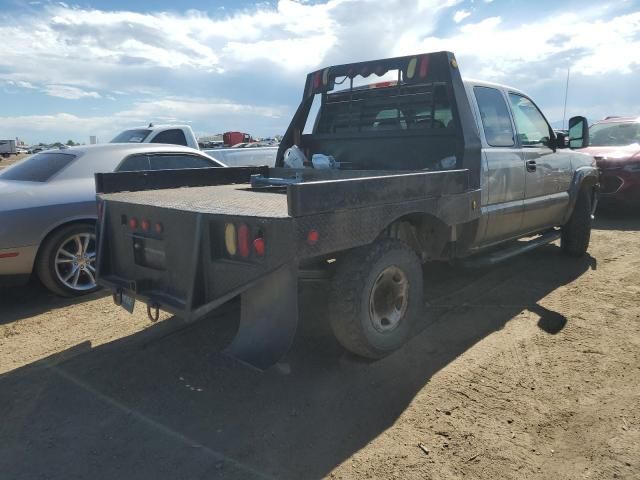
[17, 261]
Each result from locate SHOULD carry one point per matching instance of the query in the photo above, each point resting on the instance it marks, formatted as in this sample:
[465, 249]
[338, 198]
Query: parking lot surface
[529, 369]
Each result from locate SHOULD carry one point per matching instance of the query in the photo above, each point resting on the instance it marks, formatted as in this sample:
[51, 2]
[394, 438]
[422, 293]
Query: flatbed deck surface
[220, 199]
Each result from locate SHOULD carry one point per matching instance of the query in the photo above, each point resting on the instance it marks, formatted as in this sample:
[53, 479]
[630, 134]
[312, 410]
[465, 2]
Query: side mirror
[562, 140]
[578, 132]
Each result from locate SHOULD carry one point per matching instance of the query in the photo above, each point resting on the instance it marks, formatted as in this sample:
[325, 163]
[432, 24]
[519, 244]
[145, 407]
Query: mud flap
[268, 319]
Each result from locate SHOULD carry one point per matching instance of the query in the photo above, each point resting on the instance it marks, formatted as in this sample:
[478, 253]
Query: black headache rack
[430, 78]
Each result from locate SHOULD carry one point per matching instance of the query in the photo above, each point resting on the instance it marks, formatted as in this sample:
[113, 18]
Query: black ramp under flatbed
[235, 200]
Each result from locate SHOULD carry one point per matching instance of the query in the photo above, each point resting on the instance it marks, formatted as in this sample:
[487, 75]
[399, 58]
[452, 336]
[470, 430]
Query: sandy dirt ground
[5, 162]
[526, 370]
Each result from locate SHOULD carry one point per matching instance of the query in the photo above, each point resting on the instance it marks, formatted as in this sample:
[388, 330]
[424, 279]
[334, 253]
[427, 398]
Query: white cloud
[460, 15]
[207, 115]
[99, 50]
[70, 93]
[591, 47]
[171, 65]
[21, 84]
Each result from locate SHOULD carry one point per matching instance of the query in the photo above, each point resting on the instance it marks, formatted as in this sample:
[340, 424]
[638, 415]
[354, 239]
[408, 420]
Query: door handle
[531, 166]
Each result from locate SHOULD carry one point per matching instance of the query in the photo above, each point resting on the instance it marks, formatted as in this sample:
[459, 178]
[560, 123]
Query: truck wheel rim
[75, 262]
[389, 299]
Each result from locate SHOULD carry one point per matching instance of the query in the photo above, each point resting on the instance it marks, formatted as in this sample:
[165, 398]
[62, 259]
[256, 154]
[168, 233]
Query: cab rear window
[39, 167]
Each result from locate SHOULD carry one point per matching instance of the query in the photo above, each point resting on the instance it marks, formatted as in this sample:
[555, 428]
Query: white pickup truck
[183, 135]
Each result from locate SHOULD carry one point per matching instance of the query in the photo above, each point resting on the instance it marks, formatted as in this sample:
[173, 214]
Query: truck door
[547, 172]
[503, 172]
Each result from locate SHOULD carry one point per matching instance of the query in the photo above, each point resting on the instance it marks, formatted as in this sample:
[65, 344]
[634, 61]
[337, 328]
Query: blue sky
[73, 69]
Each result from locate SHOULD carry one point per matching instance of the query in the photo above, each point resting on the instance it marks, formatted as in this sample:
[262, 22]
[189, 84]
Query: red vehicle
[233, 138]
[615, 144]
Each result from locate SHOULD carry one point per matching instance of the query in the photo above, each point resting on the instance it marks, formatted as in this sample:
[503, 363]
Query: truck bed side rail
[329, 196]
[160, 179]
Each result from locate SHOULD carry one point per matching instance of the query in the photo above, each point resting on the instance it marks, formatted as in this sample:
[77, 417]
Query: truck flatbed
[236, 200]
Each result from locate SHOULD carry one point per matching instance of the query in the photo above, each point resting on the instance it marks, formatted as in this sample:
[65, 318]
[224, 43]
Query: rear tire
[66, 261]
[576, 233]
[376, 296]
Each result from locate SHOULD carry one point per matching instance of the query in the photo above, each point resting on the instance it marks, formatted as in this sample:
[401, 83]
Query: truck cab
[170, 134]
[526, 174]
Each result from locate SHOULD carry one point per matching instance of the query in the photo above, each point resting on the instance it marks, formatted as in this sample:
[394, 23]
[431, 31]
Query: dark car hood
[613, 156]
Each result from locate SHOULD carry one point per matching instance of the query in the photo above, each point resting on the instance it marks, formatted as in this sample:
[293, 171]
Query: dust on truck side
[370, 182]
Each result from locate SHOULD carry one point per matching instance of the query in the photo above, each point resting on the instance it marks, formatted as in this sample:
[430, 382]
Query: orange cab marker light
[9, 255]
[159, 228]
[145, 225]
[133, 223]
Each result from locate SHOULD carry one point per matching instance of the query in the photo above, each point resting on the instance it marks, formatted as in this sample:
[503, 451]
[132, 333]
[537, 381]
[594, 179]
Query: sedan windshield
[614, 134]
[132, 136]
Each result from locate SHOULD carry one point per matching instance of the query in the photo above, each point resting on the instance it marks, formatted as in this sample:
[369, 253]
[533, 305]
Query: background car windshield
[39, 167]
[132, 136]
[614, 134]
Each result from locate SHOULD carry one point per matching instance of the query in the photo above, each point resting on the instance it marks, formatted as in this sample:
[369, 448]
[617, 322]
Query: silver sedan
[48, 209]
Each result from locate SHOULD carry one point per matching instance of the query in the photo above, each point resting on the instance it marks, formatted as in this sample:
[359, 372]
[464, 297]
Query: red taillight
[312, 237]
[258, 246]
[133, 223]
[158, 228]
[243, 240]
[145, 225]
[100, 208]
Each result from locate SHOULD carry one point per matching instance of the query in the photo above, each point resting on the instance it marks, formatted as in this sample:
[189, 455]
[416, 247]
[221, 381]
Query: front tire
[576, 233]
[376, 297]
[66, 261]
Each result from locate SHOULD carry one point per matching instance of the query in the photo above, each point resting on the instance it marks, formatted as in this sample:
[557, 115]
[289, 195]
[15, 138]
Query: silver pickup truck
[369, 184]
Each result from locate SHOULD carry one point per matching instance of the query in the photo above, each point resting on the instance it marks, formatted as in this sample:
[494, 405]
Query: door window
[173, 137]
[178, 161]
[496, 121]
[533, 129]
[134, 163]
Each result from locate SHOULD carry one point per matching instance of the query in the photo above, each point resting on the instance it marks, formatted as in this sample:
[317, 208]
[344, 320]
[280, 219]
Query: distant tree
[71, 143]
